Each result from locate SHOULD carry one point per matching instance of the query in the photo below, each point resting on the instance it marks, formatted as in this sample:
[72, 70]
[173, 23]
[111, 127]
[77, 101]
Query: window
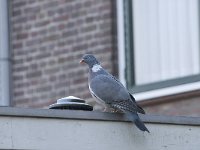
[161, 43]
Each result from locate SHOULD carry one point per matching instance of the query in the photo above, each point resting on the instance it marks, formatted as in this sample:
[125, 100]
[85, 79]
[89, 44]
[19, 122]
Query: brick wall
[184, 107]
[48, 39]
[182, 104]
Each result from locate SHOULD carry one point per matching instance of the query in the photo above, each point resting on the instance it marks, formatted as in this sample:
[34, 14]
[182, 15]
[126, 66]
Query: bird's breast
[97, 99]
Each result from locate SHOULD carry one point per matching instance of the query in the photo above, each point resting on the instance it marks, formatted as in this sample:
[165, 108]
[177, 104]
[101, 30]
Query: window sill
[175, 90]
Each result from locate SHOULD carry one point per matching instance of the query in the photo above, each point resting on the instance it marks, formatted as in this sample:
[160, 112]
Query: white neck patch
[96, 68]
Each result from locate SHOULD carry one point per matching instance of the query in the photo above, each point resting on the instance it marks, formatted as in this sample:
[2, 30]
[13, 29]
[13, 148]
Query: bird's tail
[139, 123]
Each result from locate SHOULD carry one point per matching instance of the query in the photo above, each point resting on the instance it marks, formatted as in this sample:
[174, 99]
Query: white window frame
[188, 87]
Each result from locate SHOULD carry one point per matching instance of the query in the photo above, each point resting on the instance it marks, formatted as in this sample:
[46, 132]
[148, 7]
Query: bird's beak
[82, 61]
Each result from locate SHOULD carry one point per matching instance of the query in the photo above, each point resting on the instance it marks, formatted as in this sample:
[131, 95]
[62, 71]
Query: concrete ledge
[61, 129]
[94, 115]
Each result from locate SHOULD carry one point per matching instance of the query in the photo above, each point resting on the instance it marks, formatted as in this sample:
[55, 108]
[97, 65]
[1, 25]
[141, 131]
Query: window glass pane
[166, 39]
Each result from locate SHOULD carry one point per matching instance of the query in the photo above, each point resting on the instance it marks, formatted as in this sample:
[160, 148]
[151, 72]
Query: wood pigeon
[109, 92]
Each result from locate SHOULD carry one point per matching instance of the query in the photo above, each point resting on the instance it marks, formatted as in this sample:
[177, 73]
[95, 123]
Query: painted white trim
[4, 55]
[120, 38]
[167, 91]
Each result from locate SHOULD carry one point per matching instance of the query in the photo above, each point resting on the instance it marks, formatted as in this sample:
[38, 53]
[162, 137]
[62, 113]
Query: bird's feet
[106, 109]
[112, 110]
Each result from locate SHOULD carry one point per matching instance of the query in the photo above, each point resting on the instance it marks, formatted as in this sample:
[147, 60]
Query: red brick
[20, 19]
[19, 93]
[20, 3]
[17, 45]
[35, 74]
[22, 36]
[48, 40]
[61, 18]
[17, 77]
[35, 9]
[20, 68]
[16, 12]
[22, 85]
[33, 42]
[42, 23]
[52, 70]
[42, 55]
[50, 4]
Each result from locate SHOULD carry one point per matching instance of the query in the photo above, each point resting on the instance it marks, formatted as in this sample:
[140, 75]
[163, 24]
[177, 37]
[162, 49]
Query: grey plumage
[110, 92]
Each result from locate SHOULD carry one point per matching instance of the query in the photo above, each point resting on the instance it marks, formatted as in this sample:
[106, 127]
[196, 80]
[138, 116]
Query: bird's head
[90, 60]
